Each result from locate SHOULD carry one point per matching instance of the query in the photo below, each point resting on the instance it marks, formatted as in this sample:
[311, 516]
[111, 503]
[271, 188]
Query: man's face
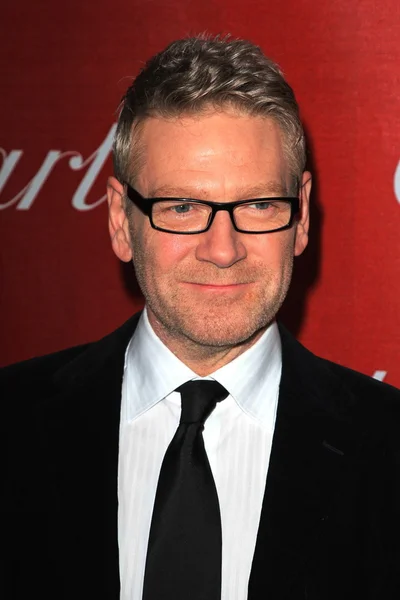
[219, 288]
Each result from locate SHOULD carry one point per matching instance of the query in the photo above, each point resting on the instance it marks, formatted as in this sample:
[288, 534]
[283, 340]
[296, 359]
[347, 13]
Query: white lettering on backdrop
[24, 199]
[379, 375]
[397, 182]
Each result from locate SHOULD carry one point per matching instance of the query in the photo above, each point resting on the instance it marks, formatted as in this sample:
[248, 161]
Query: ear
[117, 220]
[302, 226]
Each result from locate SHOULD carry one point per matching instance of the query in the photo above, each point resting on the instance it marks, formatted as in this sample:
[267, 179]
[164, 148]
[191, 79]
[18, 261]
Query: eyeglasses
[189, 216]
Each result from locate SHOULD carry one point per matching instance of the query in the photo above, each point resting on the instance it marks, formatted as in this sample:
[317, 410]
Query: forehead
[224, 150]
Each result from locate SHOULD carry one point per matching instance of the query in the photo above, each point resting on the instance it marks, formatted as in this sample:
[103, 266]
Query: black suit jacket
[330, 520]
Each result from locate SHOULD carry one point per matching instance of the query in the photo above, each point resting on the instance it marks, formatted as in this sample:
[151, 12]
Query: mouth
[218, 287]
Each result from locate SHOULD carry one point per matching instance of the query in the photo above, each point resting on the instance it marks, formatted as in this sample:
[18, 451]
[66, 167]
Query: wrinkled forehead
[216, 148]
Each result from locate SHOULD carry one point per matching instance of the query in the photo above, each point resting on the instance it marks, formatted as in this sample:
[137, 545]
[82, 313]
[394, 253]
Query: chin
[224, 332]
[218, 323]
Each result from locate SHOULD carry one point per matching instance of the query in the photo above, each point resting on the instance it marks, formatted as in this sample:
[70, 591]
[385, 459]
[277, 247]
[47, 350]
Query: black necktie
[184, 552]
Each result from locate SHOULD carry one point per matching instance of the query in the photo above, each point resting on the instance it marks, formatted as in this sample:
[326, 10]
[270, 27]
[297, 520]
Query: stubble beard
[210, 327]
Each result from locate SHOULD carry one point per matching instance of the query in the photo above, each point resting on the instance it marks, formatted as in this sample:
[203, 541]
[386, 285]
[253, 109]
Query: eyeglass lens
[193, 216]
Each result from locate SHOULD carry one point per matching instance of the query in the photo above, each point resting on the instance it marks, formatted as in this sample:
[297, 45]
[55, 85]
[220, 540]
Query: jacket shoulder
[25, 375]
[49, 374]
[369, 401]
[376, 407]
[363, 385]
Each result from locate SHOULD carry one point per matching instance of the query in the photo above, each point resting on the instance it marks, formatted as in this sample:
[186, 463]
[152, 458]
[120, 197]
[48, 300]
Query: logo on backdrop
[397, 182]
[25, 198]
[379, 375]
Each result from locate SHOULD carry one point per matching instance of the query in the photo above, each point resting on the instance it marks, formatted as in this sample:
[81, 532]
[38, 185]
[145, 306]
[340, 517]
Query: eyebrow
[272, 188]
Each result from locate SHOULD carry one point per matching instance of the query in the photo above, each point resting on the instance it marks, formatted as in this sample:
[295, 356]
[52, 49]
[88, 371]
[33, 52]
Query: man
[292, 490]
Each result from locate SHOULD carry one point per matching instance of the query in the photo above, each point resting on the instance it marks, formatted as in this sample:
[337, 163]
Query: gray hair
[195, 74]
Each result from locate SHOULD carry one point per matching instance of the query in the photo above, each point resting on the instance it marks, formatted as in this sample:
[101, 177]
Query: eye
[260, 205]
[181, 209]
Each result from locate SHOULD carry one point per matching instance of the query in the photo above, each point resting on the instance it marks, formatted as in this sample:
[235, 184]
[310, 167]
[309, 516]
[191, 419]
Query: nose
[221, 244]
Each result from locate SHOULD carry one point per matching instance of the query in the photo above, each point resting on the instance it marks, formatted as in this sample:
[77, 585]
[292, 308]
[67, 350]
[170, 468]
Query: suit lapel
[81, 427]
[312, 441]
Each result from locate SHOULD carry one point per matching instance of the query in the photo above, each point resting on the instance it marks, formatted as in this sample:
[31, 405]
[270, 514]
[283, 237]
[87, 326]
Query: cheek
[273, 250]
[161, 253]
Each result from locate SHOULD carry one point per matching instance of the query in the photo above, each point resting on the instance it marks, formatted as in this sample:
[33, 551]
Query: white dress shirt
[237, 437]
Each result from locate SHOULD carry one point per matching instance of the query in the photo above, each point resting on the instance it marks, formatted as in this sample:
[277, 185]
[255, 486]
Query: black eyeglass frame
[146, 206]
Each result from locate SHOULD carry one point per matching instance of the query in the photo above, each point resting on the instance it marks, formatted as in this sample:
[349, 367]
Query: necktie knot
[199, 399]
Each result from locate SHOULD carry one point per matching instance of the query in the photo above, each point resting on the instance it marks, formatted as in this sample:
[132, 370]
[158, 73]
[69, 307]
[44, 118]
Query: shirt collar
[253, 377]
[152, 372]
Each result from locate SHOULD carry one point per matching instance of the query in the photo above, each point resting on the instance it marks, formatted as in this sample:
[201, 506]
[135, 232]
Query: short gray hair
[195, 74]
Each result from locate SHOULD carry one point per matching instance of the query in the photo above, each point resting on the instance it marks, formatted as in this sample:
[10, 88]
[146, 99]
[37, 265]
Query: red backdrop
[63, 71]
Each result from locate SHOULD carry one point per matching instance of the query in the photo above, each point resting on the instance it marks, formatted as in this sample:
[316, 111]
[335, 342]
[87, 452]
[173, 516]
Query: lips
[220, 286]
[217, 284]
